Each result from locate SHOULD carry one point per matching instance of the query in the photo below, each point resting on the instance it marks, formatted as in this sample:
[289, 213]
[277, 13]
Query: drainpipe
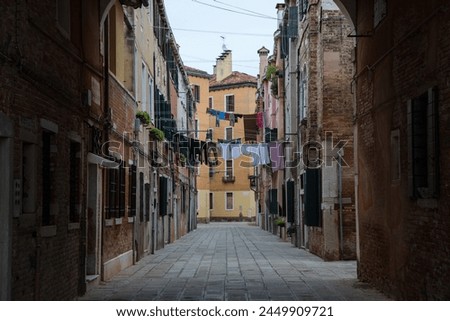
[341, 228]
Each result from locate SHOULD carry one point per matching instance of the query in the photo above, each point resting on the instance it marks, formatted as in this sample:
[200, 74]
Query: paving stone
[234, 261]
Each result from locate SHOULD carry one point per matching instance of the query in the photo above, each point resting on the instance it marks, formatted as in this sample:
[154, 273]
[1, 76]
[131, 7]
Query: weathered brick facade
[317, 122]
[67, 120]
[40, 92]
[404, 240]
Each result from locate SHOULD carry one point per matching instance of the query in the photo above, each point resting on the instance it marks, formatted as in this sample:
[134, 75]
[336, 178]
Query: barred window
[423, 145]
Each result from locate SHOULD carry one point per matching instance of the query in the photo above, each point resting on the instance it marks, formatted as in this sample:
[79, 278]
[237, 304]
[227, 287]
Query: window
[395, 155]
[147, 202]
[197, 126]
[63, 17]
[229, 201]
[132, 175]
[183, 198]
[229, 169]
[48, 218]
[228, 133]
[211, 201]
[196, 92]
[313, 198]
[302, 8]
[115, 204]
[75, 182]
[229, 103]
[423, 145]
[163, 195]
[141, 197]
[150, 107]
[144, 87]
[29, 190]
[303, 92]
[211, 102]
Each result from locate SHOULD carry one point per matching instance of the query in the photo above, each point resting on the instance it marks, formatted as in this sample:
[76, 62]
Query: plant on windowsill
[143, 116]
[270, 71]
[156, 133]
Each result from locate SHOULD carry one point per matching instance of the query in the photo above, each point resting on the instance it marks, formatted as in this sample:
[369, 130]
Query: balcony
[228, 179]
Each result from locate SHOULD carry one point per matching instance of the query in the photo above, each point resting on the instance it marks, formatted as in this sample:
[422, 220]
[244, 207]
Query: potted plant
[157, 134]
[143, 116]
[280, 222]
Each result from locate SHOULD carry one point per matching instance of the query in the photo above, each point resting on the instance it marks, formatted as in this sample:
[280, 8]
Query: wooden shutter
[312, 197]
[290, 188]
[163, 196]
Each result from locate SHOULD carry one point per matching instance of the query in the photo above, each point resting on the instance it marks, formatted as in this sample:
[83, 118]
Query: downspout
[341, 227]
[106, 121]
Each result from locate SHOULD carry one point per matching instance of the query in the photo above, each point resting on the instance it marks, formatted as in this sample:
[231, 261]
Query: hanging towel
[225, 150]
[276, 155]
[250, 128]
[235, 151]
[264, 154]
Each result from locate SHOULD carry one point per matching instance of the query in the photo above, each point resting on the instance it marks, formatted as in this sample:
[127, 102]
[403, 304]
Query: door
[94, 201]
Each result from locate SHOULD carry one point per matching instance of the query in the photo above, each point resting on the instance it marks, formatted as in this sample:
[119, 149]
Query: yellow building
[224, 190]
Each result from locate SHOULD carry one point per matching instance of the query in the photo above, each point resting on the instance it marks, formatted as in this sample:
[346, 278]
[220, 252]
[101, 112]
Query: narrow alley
[237, 262]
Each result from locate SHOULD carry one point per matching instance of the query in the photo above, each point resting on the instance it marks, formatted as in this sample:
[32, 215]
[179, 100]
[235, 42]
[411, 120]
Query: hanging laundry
[276, 150]
[195, 151]
[260, 120]
[258, 152]
[250, 128]
[225, 151]
[210, 154]
[235, 151]
[217, 120]
[232, 120]
[264, 154]
[252, 151]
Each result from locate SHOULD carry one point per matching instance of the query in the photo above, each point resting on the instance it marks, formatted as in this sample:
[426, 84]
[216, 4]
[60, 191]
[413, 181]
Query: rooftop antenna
[224, 47]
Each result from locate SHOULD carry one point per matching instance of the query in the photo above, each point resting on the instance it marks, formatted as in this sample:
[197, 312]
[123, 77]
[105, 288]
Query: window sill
[48, 231]
[430, 203]
[109, 222]
[73, 226]
[118, 221]
[131, 219]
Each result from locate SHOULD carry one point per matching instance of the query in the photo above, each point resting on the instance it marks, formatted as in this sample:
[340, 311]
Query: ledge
[48, 231]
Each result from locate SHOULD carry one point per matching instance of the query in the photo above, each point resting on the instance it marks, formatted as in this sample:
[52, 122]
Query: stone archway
[348, 8]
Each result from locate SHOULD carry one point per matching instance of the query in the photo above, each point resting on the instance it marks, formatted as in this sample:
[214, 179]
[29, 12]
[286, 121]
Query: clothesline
[197, 151]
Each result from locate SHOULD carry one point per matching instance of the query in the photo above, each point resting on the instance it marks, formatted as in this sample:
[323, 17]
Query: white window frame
[211, 102]
[226, 201]
[225, 133]
[232, 168]
[226, 105]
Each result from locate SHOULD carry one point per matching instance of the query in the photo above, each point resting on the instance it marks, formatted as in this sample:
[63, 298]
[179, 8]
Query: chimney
[224, 65]
[280, 12]
[263, 61]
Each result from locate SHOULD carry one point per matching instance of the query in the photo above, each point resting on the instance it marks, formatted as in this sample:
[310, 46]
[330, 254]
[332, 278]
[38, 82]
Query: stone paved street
[234, 261]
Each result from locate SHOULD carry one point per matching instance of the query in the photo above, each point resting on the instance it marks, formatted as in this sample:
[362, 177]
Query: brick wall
[404, 241]
[327, 56]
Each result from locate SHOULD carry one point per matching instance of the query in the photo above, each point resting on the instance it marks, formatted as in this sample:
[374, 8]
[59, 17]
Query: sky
[203, 27]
